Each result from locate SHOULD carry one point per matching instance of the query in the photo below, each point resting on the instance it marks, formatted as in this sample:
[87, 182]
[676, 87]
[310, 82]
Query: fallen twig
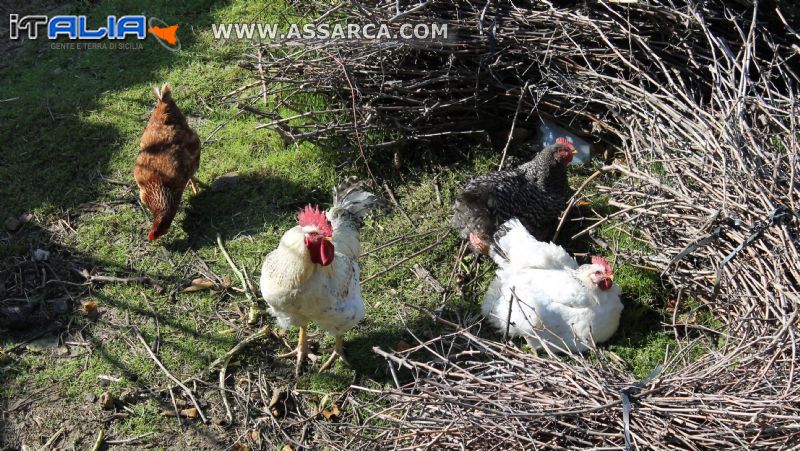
[425, 275]
[169, 375]
[129, 440]
[255, 310]
[397, 205]
[403, 260]
[95, 278]
[266, 330]
[49, 443]
[98, 443]
[574, 199]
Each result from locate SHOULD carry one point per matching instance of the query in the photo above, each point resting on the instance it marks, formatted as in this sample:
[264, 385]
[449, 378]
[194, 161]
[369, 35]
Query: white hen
[313, 275]
[553, 301]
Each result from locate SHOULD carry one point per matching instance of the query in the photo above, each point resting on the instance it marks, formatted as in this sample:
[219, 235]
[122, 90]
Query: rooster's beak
[573, 151]
[328, 238]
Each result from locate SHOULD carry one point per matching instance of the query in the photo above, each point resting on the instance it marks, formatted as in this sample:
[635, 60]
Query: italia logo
[77, 28]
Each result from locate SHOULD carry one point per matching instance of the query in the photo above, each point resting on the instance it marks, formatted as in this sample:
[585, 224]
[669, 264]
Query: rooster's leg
[338, 352]
[301, 351]
[192, 185]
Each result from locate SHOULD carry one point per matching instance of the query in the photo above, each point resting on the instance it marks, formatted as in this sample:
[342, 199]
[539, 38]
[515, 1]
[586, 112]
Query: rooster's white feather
[299, 291]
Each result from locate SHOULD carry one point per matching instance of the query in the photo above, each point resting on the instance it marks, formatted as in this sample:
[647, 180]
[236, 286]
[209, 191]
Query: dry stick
[462, 251]
[426, 275]
[437, 189]
[618, 213]
[129, 440]
[157, 340]
[355, 121]
[397, 204]
[254, 308]
[92, 278]
[508, 316]
[249, 283]
[574, 199]
[235, 350]
[513, 124]
[415, 254]
[402, 238]
[175, 407]
[261, 73]
[98, 443]
[221, 126]
[410, 364]
[53, 438]
[222, 393]
[169, 375]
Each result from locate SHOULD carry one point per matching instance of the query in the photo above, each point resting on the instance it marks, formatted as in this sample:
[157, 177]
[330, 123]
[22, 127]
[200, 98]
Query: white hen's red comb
[598, 260]
[313, 216]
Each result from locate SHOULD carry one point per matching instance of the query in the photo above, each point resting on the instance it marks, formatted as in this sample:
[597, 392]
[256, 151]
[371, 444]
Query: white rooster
[553, 301]
[313, 274]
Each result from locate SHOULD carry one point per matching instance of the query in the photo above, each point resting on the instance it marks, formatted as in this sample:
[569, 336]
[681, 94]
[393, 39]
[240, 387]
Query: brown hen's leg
[338, 352]
[301, 351]
[192, 185]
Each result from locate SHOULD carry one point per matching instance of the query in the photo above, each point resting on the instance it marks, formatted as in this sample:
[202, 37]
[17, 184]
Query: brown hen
[169, 155]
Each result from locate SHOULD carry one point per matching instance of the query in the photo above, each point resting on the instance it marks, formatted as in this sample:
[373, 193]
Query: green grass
[68, 144]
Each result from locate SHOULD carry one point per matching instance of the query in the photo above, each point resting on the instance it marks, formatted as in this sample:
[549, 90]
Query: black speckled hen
[535, 192]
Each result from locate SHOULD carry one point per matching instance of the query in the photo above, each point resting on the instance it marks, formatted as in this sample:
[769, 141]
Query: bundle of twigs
[479, 394]
[701, 101]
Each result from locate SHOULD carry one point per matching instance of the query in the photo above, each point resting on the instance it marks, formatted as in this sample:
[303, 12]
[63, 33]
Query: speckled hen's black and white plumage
[535, 192]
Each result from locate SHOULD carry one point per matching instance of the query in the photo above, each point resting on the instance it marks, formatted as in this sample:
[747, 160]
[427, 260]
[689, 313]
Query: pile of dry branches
[479, 394]
[701, 102]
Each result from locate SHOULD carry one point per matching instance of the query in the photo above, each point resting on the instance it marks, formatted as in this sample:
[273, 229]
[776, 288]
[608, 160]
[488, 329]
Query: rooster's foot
[293, 353]
[301, 352]
[192, 185]
[337, 353]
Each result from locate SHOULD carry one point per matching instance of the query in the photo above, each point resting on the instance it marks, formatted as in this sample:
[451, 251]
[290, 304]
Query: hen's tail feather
[470, 213]
[350, 196]
[512, 244]
[164, 93]
[500, 248]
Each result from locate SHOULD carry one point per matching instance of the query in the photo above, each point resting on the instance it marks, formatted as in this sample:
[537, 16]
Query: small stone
[12, 224]
[57, 306]
[90, 397]
[25, 218]
[40, 255]
[106, 401]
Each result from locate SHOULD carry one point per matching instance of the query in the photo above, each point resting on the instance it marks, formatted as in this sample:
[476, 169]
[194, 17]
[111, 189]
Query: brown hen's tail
[164, 94]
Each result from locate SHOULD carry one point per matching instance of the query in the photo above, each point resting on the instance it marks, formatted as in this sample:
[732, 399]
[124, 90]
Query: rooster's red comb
[313, 216]
[563, 141]
[597, 260]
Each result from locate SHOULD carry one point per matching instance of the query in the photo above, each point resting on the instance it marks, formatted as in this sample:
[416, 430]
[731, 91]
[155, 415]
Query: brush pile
[700, 100]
